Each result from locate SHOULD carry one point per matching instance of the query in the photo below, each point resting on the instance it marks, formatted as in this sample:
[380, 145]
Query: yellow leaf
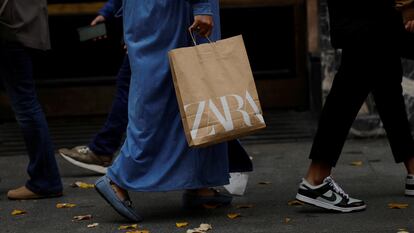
[265, 182]
[210, 206]
[356, 163]
[82, 185]
[82, 217]
[402, 231]
[233, 215]
[93, 225]
[128, 227]
[140, 231]
[18, 212]
[397, 206]
[295, 203]
[65, 205]
[181, 224]
[248, 206]
[287, 220]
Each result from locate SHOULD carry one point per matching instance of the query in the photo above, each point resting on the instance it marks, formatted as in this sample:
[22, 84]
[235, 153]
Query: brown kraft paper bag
[216, 92]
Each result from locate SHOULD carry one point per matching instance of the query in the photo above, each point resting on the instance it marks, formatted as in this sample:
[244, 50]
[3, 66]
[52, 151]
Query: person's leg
[388, 95]
[16, 73]
[349, 90]
[109, 139]
[97, 156]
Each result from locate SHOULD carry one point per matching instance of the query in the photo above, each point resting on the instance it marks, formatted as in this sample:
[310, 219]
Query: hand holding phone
[92, 32]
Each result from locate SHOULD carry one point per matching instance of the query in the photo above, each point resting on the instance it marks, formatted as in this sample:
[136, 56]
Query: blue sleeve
[111, 9]
[201, 7]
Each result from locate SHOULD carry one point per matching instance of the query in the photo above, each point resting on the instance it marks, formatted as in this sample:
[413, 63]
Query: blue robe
[155, 155]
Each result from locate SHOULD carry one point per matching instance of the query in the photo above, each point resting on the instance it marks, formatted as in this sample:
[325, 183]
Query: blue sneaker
[123, 207]
[192, 200]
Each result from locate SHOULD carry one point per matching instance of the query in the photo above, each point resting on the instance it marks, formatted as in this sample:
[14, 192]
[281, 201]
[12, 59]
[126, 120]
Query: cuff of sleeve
[203, 8]
[106, 14]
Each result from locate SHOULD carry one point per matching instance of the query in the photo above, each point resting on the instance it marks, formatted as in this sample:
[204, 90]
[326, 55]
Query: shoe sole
[37, 197]
[409, 192]
[95, 168]
[327, 206]
[113, 207]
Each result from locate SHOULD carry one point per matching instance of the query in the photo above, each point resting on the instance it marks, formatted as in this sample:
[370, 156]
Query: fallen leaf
[181, 224]
[65, 205]
[82, 217]
[82, 185]
[295, 203]
[356, 163]
[248, 206]
[397, 206]
[201, 229]
[128, 227]
[93, 225]
[210, 206]
[18, 212]
[287, 220]
[265, 182]
[402, 231]
[233, 215]
[140, 231]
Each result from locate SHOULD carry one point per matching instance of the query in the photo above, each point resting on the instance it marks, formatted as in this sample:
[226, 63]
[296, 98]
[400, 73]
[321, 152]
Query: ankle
[409, 165]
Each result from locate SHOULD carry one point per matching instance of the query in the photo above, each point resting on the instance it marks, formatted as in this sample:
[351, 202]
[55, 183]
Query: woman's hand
[203, 25]
[99, 19]
[409, 25]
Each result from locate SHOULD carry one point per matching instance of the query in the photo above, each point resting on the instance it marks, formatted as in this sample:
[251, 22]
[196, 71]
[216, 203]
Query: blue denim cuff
[202, 8]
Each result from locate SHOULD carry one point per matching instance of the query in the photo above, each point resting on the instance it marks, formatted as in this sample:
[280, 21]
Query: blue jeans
[16, 74]
[109, 139]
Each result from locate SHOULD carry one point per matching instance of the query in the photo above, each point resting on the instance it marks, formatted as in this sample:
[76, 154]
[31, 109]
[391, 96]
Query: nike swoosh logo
[334, 198]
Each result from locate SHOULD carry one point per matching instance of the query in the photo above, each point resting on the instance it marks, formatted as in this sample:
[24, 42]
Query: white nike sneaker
[409, 185]
[328, 195]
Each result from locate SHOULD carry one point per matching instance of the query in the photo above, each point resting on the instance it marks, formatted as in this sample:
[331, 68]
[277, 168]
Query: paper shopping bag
[216, 92]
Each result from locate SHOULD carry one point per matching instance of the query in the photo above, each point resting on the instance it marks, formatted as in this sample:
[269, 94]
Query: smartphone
[91, 32]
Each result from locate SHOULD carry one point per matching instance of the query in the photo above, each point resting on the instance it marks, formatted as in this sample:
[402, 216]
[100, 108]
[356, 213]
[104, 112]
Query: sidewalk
[378, 181]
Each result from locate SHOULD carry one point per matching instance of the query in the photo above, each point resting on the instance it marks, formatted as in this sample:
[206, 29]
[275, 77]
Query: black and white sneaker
[409, 185]
[328, 195]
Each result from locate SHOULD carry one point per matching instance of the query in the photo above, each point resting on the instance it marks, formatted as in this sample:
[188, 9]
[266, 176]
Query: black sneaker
[328, 195]
[409, 185]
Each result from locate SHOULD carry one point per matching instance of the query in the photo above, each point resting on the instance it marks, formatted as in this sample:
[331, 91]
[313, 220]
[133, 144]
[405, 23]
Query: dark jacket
[26, 22]
[364, 22]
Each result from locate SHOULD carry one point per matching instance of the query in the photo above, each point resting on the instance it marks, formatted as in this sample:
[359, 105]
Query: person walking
[24, 30]
[155, 155]
[369, 33]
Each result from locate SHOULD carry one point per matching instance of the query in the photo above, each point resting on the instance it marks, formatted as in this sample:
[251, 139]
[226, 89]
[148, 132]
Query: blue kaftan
[155, 155]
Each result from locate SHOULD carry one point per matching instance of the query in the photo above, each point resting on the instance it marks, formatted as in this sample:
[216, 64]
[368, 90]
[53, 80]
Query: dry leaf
[287, 220]
[402, 231]
[244, 206]
[93, 225]
[201, 229]
[82, 185]
[128, 227]
[140, 231]
[181, 224]
[233, 215]
[82, 217]
[397, 206]
[18, 212]
[265, 182]
[356, 163]
[295, 203]
[210, 206]
[65, 205]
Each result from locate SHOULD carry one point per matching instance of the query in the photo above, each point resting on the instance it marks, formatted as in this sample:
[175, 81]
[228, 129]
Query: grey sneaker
[83, 157]
[409, 185]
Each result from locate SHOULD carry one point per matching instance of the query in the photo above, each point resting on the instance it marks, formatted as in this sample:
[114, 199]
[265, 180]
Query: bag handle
[194, 40]
[3, 6]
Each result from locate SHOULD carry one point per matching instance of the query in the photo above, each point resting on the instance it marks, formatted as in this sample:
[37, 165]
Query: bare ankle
[318, 172]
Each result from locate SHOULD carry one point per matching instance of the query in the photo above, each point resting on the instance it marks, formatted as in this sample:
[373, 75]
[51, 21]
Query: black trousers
[363, 70]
